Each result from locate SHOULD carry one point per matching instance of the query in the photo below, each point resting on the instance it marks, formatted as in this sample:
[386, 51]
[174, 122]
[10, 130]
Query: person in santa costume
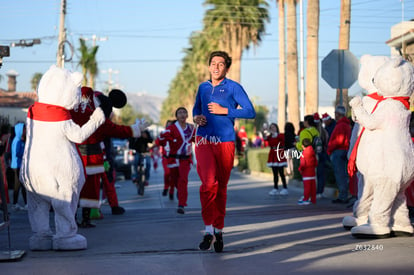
[91, 151]
[179, 136]
[276, 159]
[307, 168]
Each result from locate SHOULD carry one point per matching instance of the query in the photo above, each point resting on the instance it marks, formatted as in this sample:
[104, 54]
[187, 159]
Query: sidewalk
[262, 235]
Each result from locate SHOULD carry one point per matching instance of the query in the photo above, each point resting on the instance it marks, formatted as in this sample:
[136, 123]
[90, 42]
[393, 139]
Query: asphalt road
[263, 235]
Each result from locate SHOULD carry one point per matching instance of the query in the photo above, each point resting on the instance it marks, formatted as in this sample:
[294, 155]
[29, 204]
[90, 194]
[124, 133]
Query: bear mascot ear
[118, 98]
[105, 104]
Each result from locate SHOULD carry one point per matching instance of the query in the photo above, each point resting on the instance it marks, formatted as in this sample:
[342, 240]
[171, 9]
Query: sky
[142, 42]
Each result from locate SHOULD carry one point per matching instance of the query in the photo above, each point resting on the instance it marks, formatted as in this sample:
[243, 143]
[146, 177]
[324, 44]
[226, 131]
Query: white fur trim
[276, 164]
[175, 164]
[92, 170]
[89, 203]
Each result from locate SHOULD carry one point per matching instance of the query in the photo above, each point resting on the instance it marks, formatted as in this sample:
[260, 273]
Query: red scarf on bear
[47, 112]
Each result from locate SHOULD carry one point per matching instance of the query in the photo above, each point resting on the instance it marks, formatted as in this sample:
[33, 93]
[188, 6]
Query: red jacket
[308, 163]
[179, 146]
[341, 136]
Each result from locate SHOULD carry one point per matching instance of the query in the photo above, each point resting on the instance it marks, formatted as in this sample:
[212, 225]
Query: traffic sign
[340, 69]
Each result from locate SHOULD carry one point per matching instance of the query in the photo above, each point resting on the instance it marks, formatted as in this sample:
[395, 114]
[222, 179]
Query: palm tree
[34, 82]
[282, 65]
[344, 32]
[312, 68]
[88, 63]
[292, 64]
[239, 24]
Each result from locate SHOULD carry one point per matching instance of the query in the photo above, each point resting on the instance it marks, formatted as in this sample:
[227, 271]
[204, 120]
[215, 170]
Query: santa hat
[325, 117]
[316, 118]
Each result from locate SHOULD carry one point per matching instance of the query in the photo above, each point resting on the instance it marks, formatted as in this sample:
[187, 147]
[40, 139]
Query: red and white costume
[179, 159]
[91, 151]
[307, 168]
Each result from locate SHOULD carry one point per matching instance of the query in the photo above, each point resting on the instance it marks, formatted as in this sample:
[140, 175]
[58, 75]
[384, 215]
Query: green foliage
[88, 62]
[257, 159]
[254, 125]
[247, 16]
[34, 82]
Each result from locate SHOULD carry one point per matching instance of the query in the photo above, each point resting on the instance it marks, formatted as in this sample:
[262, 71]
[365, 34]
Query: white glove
[139, 126]
[143, 124]
[355, 102]
[98, 116]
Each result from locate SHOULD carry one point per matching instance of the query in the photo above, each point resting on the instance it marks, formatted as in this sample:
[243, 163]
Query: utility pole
[110, 71]
[62, 36]
[344, 34]
[302, 73]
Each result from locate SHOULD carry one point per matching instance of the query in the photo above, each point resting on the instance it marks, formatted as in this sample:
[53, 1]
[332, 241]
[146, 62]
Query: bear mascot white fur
[52, 169]
[388, 162]
[369, 65]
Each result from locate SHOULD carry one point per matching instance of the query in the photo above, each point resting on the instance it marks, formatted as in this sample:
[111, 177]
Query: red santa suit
[179, 159]
[307, 168]
[91, 150]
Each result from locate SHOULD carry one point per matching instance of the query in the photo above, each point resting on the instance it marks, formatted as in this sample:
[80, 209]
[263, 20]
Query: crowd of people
[319, 141]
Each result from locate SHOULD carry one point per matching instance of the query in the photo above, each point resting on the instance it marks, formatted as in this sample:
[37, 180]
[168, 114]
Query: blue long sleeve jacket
[17, 147]
[229, 94]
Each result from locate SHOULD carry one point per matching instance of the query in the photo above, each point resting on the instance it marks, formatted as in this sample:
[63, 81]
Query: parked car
[123, 157]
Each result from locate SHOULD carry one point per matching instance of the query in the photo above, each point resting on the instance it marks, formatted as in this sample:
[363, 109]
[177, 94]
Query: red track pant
[309, 190]
[109, 190]
[179, 178]
[214, 165]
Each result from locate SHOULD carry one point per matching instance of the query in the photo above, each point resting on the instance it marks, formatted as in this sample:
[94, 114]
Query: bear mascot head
[388, 162]
[52, 169]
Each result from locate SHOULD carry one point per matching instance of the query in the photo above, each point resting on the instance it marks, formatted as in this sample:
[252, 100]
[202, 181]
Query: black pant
[17, 186]
[278, 170]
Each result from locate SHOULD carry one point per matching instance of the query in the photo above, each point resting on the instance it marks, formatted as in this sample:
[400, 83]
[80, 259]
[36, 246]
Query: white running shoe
[304, 202]
[274, 192]
[16, 207]
[284, 192]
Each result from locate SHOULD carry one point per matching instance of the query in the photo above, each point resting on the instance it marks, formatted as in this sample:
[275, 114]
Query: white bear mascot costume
[369, 65]
[388, 162]
[52, 169]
